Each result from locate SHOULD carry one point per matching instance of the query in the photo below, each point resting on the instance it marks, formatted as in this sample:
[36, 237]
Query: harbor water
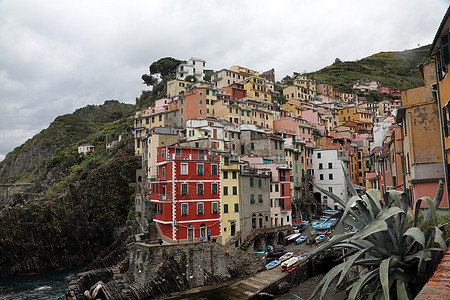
[49, 286]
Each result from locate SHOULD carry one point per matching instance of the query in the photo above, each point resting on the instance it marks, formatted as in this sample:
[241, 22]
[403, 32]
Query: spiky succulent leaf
[417, 235]
[384, 276]
[431, 212]
[402, 294]
[357, 286]
[371, 228]
[346, 266]
[349, 183]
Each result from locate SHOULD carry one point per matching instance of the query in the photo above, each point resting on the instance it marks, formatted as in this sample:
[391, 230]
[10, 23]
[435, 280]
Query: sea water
[49, 286]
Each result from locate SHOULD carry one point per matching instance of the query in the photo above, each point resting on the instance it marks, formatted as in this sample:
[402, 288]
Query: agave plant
[383, 257]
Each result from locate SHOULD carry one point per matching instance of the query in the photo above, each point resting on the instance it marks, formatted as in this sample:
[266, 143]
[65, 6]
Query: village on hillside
[221, 159]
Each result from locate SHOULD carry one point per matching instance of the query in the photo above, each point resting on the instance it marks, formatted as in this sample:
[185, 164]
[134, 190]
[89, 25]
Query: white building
[85, 149]
[195, 67]
[329, 175]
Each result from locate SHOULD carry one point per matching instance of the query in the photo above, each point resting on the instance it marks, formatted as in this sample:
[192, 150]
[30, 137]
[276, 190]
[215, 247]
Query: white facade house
[195, 67]
[329, 175]
[85, 149]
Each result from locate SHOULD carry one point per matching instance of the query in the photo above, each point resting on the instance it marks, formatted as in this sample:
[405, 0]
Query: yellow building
[176, 87]
[353, 113]
[244, 111]
[230, 169]
[303, 89]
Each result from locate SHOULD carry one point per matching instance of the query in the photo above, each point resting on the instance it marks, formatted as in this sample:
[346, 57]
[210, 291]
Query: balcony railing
[164, 197]
[215, 158]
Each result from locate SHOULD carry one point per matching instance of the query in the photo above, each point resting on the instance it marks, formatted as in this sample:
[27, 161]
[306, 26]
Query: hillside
[397, 69]
[77, 204]
[84, 125]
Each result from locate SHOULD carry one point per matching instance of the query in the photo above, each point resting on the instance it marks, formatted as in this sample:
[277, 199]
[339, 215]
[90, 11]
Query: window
[260, 199]
[321, 176]
[200, 169]
[259, 182]
[330, 189]
[184, 169]
[225, 190]
[215, 207]
[225, 175]
[252, 146]
[184, 209]
[184, 189]
[320, 166]
[236, 207]
[234, 174]
[276, 188]
[225, 208]
[330, 176]
[200, 208]
[177, 152]
[330, 165]
[214, 188]
[234, 190]
[200, 189]
[252, 198]
[252, 181]
[162, 152]
[226, 161]
[319, 155]
[213, 169]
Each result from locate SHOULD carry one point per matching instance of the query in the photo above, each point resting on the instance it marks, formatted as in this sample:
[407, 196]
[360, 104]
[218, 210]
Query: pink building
[297, 126]
[314, 118]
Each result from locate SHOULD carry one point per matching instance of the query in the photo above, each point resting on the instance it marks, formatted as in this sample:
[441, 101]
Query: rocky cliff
[71, 229]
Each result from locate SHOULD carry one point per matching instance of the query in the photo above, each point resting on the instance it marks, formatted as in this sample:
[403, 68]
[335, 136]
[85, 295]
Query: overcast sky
[57, 56]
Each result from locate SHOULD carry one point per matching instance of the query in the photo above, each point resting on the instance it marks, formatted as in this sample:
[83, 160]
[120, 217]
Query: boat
[302, 256]
[286, 256]
[301, 239]
[315, 223]
[273, 264]
[323, 226]
[289, 264]
[320, 238]
[276, 253]
[292, 237]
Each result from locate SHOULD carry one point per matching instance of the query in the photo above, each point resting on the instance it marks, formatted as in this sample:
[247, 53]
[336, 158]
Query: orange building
[196, 104]
[440, 53]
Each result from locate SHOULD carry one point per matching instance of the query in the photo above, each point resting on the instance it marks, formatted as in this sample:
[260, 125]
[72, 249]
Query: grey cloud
[57, 56]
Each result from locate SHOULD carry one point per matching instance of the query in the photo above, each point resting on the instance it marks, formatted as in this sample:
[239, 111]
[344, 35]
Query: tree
[191, 78]
[337, 61]
[385, 256]
[149, 80]
[165, 66]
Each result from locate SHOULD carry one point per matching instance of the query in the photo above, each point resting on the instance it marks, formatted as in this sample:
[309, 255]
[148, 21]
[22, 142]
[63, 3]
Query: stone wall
[198, 263]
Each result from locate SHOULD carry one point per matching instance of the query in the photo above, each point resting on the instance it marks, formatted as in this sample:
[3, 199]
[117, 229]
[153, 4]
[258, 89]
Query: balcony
[197, 157]
[164, 197]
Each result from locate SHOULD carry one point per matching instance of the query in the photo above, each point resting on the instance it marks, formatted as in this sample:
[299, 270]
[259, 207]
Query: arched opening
[260, 221]
[254, 221]
[139, 178]
[280, 239]
[203, 230]
[190, 232]
[258, 245]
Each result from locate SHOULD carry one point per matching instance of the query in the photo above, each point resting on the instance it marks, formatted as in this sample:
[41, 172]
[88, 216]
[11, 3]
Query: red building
[389, 90]
[236, 91]
[186, 194]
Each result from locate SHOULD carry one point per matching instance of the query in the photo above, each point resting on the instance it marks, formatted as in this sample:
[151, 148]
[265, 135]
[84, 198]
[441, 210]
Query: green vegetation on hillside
[397, 69]
[57, 144]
